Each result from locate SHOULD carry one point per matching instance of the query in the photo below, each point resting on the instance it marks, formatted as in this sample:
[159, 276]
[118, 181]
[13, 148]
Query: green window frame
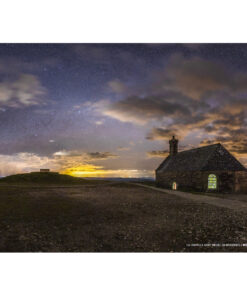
[212, 181]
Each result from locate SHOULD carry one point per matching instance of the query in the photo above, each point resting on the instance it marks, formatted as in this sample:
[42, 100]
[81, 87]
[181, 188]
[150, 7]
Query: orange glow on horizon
[99, 172]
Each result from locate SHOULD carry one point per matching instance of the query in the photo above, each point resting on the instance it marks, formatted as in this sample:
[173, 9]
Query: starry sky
[108, 110]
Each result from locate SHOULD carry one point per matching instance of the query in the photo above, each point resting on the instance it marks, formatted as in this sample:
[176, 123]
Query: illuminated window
[212, 182]
[174, 186]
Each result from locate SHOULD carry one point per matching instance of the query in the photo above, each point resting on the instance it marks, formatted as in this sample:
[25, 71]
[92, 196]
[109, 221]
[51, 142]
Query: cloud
[24, 91]
[121, 148]
[23, 162]
[117, 86]
[235, 142]
[161, 134]
[161, 153]
[100, 155]
[61, 153]
[19, 87]
[71, 159]
[60, 161]
[86, 155]
[142, 110]
[196, 77]
[229, 127]
[99, 122]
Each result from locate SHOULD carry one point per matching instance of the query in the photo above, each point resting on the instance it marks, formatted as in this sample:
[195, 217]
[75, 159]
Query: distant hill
[43, 178]
[55, 178]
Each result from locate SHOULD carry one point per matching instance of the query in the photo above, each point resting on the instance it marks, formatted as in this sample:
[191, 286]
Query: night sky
[107, 110]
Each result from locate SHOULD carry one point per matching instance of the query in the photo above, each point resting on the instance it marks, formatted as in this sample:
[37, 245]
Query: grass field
[111, 217]
[50, 178]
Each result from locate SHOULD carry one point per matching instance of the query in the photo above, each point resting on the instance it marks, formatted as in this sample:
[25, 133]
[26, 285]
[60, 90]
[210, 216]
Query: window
[212, 182]
[174, 186]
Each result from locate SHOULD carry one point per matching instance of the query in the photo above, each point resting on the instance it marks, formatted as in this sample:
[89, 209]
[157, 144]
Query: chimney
[173, 146]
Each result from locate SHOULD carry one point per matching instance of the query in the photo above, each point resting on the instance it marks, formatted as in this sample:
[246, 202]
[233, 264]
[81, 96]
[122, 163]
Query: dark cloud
[15, 66]
[196, 76]
[142, 110]
[161, 134]
[100, 155]
[229, 127]
[86, 155]
[156, 153]
[236, 144]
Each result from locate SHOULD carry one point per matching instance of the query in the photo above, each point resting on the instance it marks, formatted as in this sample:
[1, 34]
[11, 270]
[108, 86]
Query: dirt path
[204, 199]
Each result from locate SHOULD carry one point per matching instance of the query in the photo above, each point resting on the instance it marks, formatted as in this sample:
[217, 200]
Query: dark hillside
[43, 178]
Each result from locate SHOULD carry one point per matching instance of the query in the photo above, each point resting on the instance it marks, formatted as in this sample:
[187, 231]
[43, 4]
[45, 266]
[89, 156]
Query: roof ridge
[161, 165]
[199, 148]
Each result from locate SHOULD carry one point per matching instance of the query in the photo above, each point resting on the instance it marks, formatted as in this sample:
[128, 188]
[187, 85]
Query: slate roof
[208, 158]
